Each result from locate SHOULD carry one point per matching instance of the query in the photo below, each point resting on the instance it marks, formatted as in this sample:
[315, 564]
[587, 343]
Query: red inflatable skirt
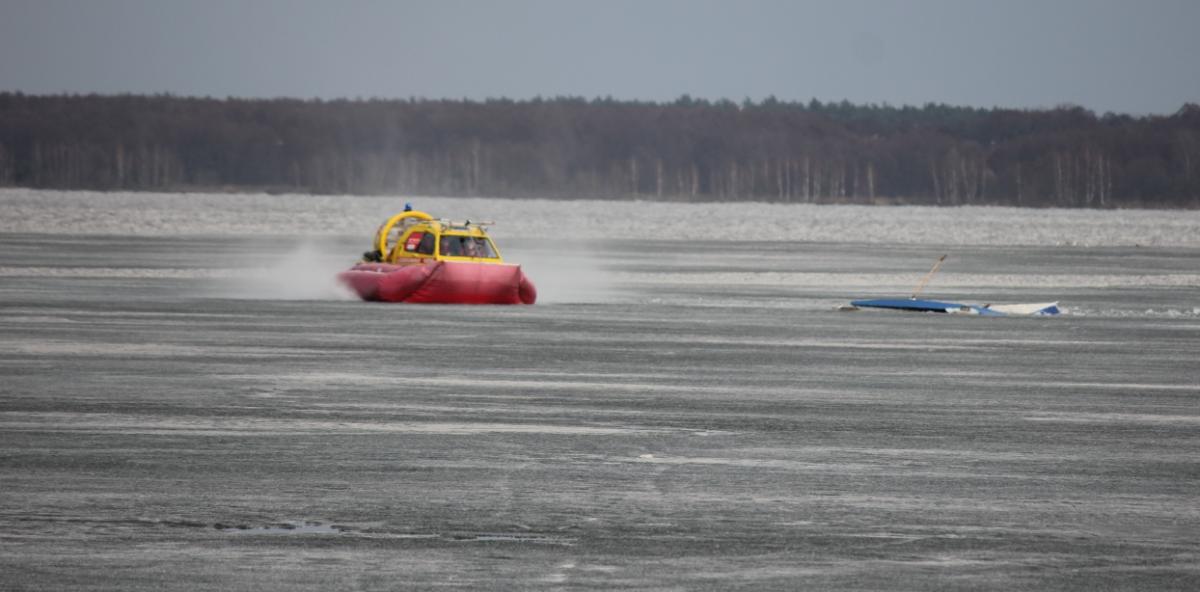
[441, 282]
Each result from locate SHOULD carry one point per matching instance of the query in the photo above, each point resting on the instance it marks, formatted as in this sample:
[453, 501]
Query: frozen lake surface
[685, 408]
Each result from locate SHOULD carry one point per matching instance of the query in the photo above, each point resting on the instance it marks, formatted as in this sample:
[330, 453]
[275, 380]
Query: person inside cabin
[451, 246]
[470, 249]
[425, 247]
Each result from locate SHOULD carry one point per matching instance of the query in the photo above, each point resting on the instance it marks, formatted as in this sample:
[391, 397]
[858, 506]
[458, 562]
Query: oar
[921, 286]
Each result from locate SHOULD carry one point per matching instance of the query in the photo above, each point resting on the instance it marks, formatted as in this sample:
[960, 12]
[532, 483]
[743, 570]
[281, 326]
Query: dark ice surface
[712, 422]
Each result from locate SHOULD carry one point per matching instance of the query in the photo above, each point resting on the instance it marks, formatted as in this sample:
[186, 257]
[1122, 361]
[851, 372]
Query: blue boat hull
[987, 310]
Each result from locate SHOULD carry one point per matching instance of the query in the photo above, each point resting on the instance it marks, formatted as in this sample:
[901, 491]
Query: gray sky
[1106, 55]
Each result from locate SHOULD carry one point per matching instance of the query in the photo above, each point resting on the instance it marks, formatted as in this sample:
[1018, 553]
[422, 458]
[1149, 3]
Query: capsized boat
[417, 258]
[988, 310]
[916, 304]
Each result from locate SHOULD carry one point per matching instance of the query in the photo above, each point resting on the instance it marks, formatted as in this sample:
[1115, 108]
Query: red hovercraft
[419, 259]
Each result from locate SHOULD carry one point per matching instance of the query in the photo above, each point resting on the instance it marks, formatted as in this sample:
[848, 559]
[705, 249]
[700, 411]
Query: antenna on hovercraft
[464, 223]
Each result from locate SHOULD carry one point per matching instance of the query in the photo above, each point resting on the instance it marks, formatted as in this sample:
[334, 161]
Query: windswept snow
[168, 214]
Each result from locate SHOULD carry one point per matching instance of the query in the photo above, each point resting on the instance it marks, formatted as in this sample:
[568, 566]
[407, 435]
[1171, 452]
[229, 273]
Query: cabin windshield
[455, 245]
[420, 243]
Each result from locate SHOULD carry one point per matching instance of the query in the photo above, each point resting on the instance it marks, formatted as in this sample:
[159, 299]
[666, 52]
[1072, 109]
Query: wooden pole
[921, 286]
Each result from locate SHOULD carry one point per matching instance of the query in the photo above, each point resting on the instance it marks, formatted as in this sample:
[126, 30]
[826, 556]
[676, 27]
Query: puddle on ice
[318, 528]
[286, 528]
[515, 538]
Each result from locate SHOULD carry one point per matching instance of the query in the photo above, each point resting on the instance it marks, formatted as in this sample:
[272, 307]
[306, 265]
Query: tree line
[570, 147]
